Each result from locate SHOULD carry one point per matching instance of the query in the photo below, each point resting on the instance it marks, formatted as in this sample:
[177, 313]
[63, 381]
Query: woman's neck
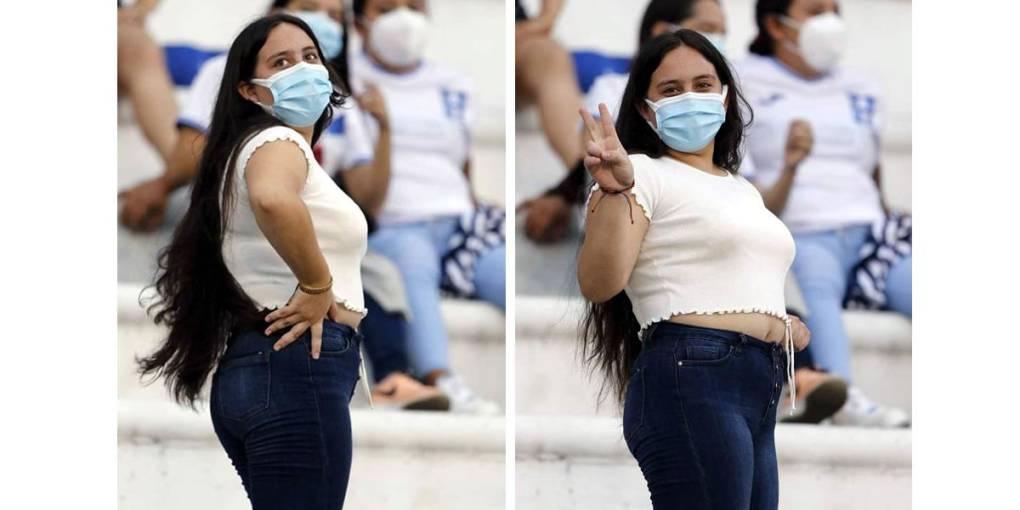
[702, 160]
[306, 132]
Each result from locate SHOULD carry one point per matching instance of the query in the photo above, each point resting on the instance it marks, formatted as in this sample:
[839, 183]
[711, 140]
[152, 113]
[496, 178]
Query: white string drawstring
[789, 364]
[364, 375]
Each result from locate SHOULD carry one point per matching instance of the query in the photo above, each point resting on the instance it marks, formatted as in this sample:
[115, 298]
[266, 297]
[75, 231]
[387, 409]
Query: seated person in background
[429, 224]
[544, 74]
[348, 150]
[143, 77]
[815, 146]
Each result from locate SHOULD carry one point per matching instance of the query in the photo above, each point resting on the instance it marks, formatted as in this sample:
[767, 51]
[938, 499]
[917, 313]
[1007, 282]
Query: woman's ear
[776, 29]
[247, 91]
[647, 113]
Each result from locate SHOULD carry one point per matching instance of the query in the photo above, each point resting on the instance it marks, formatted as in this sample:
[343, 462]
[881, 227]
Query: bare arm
[611, 246]
[145, 204]
[799, 141]
[612, 240]
[275, 176]
[367, 184]
[184, 160]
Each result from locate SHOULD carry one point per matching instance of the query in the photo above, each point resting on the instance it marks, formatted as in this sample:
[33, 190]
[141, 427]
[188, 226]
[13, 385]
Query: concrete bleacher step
[582, 462]
[169, 458]
[551, 380]
[477, 347]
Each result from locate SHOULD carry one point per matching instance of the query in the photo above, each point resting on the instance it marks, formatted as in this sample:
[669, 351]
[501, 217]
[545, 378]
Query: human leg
[545, 73]
[142, 73]
[490, 277]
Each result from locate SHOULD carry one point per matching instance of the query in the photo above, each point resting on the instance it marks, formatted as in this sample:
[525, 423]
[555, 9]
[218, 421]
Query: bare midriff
[762, 326]
[348, 317]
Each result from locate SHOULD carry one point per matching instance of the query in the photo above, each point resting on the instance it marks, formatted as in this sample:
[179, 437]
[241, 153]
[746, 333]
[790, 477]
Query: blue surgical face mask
[718, 40]
[688, 122]
[300, 94]
[327, 31]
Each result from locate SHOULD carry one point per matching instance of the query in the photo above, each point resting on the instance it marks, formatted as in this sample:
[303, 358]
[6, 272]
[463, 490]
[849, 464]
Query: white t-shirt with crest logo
[430, 111]
[834, 186]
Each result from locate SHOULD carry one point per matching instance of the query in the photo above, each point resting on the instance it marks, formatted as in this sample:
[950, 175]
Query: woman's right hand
[605, 158]
[304, 311]
[371, 100]
[799, 141]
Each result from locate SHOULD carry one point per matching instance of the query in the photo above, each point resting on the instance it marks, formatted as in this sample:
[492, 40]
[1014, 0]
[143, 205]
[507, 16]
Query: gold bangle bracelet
[316, 290]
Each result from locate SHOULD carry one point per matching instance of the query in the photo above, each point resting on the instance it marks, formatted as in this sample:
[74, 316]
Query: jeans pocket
[703, 352]
[634, 405]
[243, 385]
[336, 340]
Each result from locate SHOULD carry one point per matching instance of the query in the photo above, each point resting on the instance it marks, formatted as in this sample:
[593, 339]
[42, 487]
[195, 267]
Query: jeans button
[679, 363]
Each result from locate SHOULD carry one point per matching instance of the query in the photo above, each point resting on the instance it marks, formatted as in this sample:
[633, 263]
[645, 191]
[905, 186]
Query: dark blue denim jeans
[700, 416]
[283, 417]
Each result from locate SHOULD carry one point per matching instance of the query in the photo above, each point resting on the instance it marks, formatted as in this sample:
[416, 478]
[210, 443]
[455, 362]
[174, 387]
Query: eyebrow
[306, 48]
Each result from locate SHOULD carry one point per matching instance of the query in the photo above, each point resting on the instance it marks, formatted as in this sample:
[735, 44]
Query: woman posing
[684, 268]
[261, 281]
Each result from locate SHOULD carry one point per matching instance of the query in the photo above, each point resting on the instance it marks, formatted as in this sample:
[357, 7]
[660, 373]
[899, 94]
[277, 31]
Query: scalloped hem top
[711, 247]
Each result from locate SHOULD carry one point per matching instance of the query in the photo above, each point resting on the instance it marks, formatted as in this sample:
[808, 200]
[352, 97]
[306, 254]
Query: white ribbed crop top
[711, 247]
[340, 229]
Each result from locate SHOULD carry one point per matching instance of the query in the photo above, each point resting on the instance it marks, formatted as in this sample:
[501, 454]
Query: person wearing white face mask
[815, 147]
[429, 223]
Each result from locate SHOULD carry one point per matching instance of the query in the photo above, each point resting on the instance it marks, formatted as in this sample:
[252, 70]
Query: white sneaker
[860, 411]
[462, 399]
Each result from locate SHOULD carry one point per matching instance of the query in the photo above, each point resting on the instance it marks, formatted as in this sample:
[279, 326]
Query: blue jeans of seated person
[384, 333]
[283, 417]
[822, 269]
[699, 416]
[416, 249]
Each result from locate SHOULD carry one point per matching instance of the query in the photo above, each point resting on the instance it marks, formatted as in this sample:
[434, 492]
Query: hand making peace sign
[606, 159]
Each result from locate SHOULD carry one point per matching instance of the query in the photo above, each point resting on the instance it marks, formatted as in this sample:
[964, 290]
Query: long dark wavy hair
[199, 300]
[609, 330]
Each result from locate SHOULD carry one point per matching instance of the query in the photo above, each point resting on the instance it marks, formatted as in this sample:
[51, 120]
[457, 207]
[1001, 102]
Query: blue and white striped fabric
[477, 232]
[890, 241]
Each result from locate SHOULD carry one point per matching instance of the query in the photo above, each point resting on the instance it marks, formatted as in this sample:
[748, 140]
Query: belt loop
[647, 335]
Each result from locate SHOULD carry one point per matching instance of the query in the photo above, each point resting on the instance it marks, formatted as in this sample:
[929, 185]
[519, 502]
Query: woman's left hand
[801, 333]
[304, 311]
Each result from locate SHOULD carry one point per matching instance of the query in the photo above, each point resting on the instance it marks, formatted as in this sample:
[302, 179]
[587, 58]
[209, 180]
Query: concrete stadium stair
[168, 457]
[583, 463]
[477, 348]
[551, 380]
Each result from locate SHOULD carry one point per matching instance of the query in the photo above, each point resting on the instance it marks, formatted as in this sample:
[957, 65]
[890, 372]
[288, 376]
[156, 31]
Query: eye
[281, 62]
[704, 85]
[312, 57]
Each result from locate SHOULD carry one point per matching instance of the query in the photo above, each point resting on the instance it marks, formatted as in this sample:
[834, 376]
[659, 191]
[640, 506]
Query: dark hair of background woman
[609, 330]
[669, 11]
[340, 62]
[199, 300]
[763, 43]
